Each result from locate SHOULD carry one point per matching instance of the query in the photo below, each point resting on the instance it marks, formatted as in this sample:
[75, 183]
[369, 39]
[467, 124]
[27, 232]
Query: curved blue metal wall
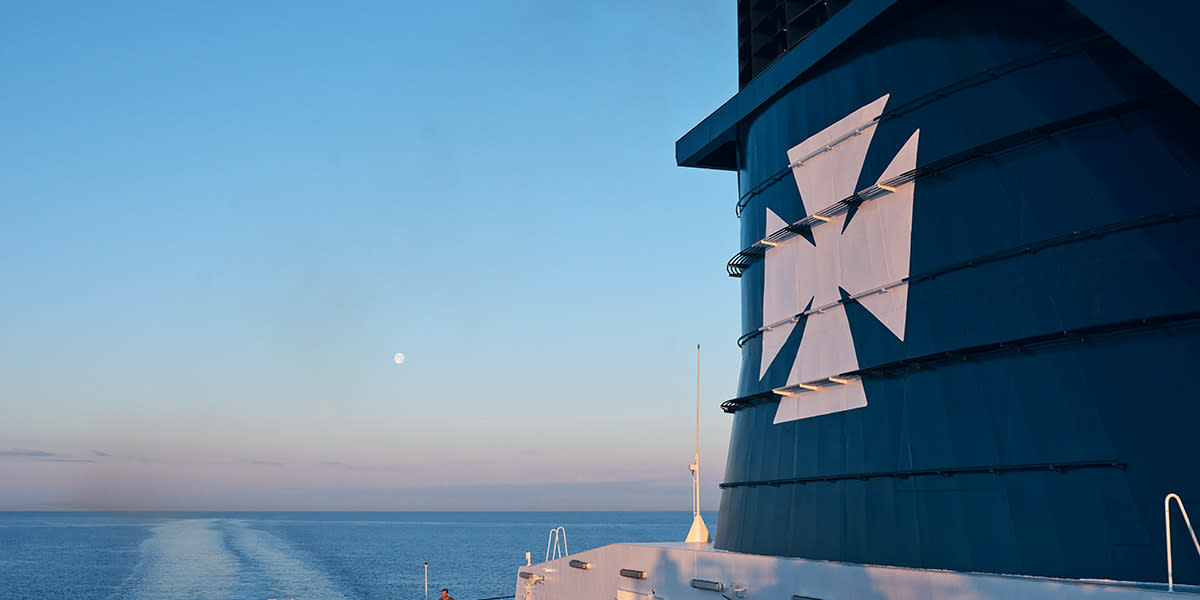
[1049, 456]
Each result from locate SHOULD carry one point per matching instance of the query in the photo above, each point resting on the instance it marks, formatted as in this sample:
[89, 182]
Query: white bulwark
[679, 571]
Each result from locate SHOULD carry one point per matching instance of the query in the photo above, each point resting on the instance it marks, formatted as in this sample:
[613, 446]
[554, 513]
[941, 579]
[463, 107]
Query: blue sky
[219, 221]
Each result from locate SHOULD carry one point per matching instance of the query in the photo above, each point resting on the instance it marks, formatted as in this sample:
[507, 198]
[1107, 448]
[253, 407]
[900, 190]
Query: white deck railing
[553, 550]
[1167, 519]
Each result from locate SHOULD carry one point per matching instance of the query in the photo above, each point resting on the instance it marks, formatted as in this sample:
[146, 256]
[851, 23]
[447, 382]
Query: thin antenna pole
[696, 486]
[698, 534]
[426, 581]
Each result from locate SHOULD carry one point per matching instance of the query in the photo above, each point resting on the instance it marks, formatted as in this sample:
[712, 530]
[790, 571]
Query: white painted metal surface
[863, 252]
[671, 567]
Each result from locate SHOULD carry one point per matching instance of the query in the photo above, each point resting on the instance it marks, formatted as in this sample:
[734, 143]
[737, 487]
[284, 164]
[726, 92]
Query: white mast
[699, 532]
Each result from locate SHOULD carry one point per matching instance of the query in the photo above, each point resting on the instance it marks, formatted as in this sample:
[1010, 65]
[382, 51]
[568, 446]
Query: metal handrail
[552, 543]
[1062, 50]
[1056, 467]
[1162, 218]
[1167, 519]
[987, 150]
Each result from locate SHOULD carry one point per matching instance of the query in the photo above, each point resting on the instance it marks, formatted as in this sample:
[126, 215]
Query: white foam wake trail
[184, 558]
[279, 567]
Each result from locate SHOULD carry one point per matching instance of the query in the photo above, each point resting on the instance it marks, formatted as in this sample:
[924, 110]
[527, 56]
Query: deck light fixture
[580, 564]
[633, 573]
[531, 577]
[710, 586]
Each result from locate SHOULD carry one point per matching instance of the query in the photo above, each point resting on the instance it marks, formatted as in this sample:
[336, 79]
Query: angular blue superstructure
[1024, 399]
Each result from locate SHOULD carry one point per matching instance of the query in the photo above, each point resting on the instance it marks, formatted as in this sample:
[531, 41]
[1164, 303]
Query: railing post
[1167, 520]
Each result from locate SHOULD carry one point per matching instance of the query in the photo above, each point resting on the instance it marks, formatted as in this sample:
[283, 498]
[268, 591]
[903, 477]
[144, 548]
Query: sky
[220, 221]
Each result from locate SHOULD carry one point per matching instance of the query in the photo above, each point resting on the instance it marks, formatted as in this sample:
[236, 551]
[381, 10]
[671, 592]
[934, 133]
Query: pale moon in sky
[399, 358]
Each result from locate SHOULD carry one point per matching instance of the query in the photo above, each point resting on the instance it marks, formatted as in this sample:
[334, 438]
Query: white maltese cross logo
[864, 253]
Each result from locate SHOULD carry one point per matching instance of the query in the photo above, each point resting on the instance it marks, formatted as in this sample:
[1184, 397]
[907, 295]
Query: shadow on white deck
[669, 569]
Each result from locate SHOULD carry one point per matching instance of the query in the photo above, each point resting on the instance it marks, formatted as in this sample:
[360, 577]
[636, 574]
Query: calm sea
[301, 555]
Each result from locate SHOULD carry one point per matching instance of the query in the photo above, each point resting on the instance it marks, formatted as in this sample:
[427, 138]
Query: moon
[399, 358]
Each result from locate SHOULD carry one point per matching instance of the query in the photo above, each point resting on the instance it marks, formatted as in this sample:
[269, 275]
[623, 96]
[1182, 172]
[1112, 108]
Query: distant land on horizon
[549, 497]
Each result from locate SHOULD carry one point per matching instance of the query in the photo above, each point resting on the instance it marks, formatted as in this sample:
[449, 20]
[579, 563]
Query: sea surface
[301, 555]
